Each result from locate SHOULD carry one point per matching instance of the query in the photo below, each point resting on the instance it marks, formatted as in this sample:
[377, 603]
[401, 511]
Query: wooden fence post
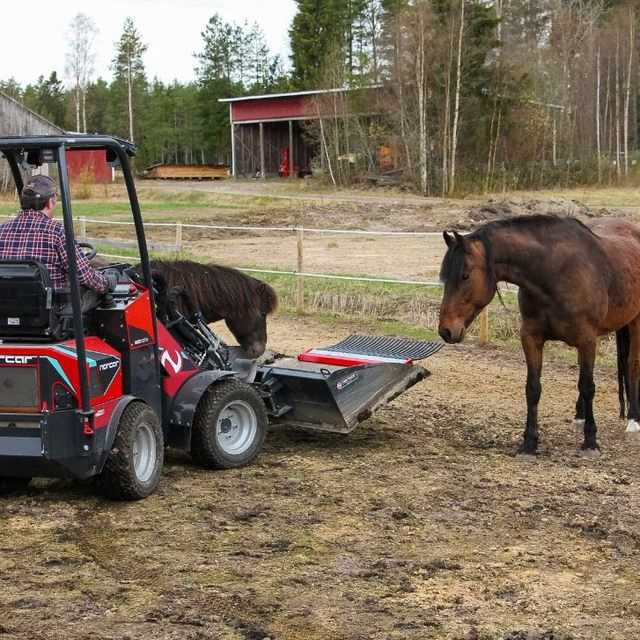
[299, 276]
[83, 228]
[178, 238]
[484, 325]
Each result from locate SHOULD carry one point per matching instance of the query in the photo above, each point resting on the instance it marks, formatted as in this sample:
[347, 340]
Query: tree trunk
[617, 107]
[77, 107]
[421, 82]
[84, 110]
[598, 145]
[130, 97]
[627, 96]
[456, 113]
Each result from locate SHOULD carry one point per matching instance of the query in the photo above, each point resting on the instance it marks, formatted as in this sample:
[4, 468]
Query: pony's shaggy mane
[212, 282]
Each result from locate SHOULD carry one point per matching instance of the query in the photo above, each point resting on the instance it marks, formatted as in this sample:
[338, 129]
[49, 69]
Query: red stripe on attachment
[345, 359]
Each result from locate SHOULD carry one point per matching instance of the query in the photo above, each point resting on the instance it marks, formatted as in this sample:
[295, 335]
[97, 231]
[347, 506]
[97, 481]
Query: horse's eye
[465, 275]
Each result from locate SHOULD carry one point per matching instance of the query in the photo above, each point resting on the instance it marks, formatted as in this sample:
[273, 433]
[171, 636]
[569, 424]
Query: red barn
[88, 166]
[267, 131]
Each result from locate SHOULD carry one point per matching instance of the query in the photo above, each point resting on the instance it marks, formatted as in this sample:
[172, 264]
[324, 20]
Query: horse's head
[250, 327]
[469, 284]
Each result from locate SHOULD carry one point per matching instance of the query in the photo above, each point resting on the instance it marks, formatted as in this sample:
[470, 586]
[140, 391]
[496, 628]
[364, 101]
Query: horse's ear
[448, 239]
[462, 241]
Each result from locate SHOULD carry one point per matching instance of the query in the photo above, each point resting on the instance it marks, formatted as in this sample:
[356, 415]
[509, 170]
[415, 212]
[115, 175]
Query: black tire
[134, 464]
[9, 485]
[229, 426]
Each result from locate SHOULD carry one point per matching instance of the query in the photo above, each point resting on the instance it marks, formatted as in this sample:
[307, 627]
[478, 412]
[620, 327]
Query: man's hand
[112, 277]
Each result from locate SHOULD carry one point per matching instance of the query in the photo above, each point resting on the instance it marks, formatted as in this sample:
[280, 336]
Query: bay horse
[223, 293]
[575, 282]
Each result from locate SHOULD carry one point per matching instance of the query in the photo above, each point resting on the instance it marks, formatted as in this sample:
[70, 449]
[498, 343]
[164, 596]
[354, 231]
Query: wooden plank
[188, 172]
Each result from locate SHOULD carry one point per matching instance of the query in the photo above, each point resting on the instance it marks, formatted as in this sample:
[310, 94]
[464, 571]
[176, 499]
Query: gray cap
[39, 185]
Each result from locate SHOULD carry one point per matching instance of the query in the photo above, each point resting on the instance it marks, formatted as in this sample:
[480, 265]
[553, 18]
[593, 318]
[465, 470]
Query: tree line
[470, 95]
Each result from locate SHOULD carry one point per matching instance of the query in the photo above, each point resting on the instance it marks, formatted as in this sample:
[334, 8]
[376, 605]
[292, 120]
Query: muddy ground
[420, 524]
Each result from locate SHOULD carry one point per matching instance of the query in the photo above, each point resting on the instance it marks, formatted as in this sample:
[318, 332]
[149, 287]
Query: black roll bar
[11, 146]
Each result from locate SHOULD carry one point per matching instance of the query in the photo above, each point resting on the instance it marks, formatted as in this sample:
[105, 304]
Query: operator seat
[27, 310]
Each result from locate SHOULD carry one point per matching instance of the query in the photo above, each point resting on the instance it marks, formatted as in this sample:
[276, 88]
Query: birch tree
[79, 63]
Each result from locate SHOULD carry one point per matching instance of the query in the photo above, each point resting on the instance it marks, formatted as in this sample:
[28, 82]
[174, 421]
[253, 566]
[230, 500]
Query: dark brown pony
[575, 282]
[223, 293]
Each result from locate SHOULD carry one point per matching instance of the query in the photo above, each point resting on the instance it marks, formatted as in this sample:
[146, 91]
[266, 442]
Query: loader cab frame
[31, 154]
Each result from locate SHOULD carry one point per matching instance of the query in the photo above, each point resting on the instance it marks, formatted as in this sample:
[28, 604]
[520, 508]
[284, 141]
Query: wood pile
[187, 171]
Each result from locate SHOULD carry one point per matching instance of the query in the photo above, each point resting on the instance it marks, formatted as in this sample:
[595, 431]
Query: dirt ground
[420, 524]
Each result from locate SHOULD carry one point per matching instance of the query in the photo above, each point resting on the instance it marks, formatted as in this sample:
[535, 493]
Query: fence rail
[299, 273]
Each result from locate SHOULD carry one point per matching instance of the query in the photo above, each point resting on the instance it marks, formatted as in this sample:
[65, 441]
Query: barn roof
[291, 94]
[275, 107]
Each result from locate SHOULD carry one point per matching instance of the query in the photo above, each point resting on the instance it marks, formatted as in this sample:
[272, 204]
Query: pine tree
[319, 28]
[128, 67]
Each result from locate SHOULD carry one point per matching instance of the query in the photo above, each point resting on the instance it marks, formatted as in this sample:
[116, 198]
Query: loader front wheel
[229, 426]
[134, 464]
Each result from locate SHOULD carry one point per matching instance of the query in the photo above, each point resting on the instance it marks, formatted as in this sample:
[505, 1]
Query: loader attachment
[335, 388]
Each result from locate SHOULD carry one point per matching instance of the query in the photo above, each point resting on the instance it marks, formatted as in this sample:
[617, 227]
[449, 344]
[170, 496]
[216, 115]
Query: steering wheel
[92, 249]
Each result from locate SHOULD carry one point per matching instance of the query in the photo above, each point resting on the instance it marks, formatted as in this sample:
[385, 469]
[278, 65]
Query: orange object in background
[386, 159]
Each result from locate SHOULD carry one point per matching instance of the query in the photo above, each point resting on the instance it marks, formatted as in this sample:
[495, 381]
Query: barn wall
[88, 166]
[17, 120]
[276, 108]
[276, 140]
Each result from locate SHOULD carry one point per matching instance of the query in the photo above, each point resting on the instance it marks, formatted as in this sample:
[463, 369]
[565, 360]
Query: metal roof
[290, 94]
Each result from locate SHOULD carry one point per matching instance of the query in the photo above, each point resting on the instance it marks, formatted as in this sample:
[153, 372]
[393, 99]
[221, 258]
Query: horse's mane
[541, 227]
[213, 285]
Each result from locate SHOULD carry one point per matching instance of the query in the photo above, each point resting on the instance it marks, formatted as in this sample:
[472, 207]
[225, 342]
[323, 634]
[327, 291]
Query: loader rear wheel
[9, 485]
[229, 426]
[134, 464]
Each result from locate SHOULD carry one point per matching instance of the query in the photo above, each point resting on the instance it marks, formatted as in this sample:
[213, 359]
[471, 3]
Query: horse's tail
[622, 347]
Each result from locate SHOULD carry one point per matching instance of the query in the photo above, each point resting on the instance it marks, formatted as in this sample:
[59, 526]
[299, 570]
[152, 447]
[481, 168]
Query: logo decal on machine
[346, 381]
[17, 359]
[171, 360]
[108, 370]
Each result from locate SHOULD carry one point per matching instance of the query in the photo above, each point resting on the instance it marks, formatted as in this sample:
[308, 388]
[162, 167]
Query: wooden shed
[268, 131]
[17, 120]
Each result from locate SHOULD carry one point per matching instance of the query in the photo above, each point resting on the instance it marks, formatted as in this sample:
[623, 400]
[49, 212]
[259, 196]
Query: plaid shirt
[32, 235]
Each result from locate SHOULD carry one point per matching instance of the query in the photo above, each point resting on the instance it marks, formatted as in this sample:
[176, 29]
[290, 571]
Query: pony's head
[250, 326]
[469, 283]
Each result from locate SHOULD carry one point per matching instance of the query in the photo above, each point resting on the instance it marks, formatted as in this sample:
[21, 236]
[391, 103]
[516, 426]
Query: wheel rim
[144, 452]
[236, 427]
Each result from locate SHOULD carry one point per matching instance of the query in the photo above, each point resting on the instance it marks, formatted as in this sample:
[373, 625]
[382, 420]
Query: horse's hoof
[578, 425]
[526, 457]
[633, 429]
[590, 453]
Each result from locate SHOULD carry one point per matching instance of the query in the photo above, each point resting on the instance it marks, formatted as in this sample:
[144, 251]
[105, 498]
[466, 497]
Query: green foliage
[47, 98]
[525, 112]
[319, 27]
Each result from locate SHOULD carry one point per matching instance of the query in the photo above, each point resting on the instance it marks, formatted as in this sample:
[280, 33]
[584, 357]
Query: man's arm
[87, 275]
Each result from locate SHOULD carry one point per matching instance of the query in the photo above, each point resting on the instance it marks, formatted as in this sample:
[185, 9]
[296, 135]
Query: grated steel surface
[383, 347]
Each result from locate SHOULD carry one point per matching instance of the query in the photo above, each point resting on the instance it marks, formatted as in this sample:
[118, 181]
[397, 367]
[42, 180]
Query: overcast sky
[33, 43]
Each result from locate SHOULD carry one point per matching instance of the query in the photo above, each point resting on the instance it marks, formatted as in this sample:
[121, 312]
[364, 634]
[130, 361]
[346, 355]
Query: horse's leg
[587, 389]
[633, 373]
[578, 421]
[532, 346]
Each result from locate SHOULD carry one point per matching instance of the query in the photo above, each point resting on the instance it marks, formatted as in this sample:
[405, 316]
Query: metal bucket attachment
[314, 391]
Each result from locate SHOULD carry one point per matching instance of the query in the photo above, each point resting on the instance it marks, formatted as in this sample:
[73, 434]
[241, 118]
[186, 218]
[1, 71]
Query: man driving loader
[34, 235]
